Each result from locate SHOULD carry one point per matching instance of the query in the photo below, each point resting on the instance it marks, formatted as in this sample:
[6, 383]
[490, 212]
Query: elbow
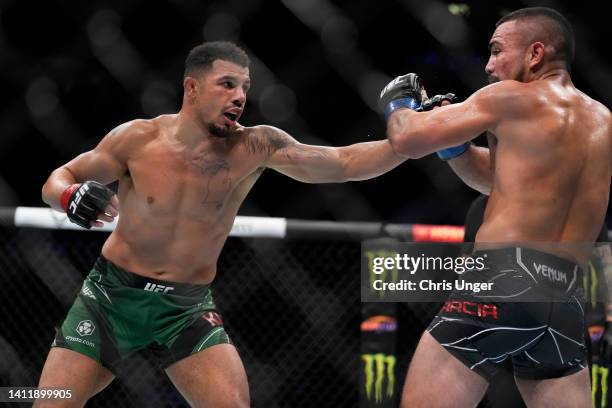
[404, 139]
[45, 192]
[396, 141]
[404, 144]
[48, 191]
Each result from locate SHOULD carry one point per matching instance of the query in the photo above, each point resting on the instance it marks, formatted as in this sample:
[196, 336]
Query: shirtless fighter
[182, 179]
[547, 171]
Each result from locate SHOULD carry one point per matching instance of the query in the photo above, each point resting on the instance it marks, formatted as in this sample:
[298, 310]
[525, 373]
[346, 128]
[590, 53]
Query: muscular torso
[178, 204]
[551, 172]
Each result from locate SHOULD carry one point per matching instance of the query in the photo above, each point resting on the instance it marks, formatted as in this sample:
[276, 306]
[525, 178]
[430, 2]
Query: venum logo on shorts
[553, 275]
[85, 328]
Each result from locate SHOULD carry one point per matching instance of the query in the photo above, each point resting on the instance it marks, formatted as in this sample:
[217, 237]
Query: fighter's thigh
[571, 391]
[213, 377]
[69, 370]
[437, 379]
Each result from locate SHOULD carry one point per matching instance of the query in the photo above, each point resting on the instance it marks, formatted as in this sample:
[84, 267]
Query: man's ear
[190, 87]
[536, 54]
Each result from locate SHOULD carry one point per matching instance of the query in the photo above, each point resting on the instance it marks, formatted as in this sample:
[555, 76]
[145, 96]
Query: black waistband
[130, 279]
[542, 266]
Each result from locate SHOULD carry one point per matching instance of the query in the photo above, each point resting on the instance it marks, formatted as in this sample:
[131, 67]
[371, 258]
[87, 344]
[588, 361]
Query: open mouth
[231, 116]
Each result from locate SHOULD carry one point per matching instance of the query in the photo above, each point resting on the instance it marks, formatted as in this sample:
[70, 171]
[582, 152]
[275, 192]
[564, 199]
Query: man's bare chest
[175, 180]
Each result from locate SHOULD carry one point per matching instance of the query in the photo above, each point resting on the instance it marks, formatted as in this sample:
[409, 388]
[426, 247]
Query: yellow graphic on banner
[379, 367]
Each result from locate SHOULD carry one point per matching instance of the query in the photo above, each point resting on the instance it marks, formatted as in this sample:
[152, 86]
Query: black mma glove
[437, 100]
[83, 202]
[403, 92]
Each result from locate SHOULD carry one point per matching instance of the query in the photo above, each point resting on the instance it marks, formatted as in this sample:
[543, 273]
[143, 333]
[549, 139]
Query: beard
[520, 76]
[220, 131]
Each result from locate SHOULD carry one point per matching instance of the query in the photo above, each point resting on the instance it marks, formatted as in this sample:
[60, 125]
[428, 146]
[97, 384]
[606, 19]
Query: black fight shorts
[533, 315]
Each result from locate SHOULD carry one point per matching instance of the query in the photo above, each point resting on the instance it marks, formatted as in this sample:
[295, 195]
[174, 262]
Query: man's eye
[494, 52]
[228, 84]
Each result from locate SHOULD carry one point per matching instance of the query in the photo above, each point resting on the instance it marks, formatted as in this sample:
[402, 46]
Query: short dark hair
[553, 25]
[201, 57]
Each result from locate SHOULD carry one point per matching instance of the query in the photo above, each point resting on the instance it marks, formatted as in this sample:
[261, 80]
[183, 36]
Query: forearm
[362, 161]
[55, 185]
[474, 168]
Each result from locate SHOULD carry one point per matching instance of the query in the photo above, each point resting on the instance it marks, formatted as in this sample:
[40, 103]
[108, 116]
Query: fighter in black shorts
[511, 322]
[547, 172]
[502, 391]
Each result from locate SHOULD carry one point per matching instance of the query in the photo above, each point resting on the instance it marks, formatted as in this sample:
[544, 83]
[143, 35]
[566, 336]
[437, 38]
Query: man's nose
[489, 67]
[239, 97]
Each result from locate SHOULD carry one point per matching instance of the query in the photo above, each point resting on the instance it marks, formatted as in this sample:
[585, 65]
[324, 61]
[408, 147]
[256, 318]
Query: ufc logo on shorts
[153, 287]
[77, 198]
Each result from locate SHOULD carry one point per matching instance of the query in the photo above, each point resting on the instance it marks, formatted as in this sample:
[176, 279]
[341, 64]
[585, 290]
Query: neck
[555, 71]
[190, 131]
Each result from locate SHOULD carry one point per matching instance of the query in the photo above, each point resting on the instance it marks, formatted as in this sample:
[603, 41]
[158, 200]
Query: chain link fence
[292, 308]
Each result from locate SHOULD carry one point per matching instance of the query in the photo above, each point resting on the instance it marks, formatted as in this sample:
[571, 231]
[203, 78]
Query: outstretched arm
[322, 164]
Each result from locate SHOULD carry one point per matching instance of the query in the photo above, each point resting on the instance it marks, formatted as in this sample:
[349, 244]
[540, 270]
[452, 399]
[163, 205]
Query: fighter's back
[551, 168]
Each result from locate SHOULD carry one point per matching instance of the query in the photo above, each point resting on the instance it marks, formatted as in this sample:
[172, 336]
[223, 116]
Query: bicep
[307, 163]
[96, 165]
[484, 111]
[105, 163]
[455, 124]
[415, 134]
[418, 134]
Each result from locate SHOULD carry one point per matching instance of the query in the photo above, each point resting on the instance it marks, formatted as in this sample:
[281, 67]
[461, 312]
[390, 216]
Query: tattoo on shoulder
[267, 142]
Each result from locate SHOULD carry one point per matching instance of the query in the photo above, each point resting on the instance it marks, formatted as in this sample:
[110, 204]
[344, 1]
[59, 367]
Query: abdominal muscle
[173, 246]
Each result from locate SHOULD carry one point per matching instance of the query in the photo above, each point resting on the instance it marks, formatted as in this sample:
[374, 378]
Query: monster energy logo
[377, 366]
[383, 277]
[597, 371]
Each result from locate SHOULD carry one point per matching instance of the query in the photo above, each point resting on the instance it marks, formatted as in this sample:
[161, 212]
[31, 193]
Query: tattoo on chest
[218, 181]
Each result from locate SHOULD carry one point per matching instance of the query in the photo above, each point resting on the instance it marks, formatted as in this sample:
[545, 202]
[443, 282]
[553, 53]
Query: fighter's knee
[239, 399]
[227, 399]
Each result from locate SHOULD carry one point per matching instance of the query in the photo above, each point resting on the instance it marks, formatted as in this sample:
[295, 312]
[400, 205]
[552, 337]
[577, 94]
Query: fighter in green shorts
[181, 180]
[118, 312]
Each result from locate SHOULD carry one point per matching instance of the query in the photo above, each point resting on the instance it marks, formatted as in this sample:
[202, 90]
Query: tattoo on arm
[306, 152]
[267, 142]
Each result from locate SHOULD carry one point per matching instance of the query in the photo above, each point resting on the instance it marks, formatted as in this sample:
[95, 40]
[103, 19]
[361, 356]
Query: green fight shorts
[118, 313]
